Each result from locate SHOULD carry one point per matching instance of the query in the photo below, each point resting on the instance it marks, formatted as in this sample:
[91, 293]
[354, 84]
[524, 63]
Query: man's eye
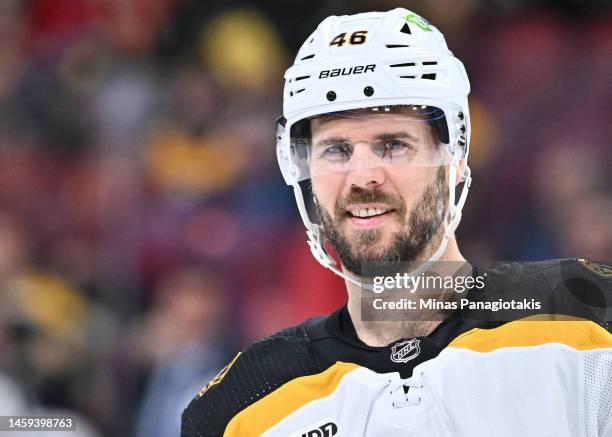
[337, 151]
[394, 148]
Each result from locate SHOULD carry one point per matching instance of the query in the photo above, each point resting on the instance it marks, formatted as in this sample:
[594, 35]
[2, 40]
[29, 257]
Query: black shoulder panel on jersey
[256, 372]
[585, 291]
[570, 287]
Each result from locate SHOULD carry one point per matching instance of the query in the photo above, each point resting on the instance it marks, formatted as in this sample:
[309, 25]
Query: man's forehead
[370, 125]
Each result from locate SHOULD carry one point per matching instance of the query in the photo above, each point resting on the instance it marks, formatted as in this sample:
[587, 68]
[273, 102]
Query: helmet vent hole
[331, 96]
[430, 63]
[396, 46]
[406, 64]
[406, 29]
[301, 78]
[430, 76]
[407, 77]
[307, 57]
[300, 90]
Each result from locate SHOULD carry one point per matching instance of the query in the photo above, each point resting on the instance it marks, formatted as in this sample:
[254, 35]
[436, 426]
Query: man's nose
[366, 170]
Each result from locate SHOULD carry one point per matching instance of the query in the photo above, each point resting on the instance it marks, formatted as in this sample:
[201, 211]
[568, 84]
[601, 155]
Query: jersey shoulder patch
[597, 268]
[587, 286]
[217, 379]
[252, 375]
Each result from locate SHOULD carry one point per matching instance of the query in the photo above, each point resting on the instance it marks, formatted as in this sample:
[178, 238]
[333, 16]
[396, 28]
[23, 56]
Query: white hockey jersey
[471, 376]
[522, 379]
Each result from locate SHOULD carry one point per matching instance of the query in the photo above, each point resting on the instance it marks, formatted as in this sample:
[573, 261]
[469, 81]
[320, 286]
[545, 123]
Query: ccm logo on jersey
[347, 71]
[328, 429]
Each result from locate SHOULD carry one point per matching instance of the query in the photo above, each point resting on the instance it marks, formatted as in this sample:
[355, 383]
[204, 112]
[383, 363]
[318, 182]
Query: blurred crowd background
[145, 232]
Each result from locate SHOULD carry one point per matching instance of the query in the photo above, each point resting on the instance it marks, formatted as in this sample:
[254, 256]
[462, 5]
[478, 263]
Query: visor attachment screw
[368, 91]
[331, 96]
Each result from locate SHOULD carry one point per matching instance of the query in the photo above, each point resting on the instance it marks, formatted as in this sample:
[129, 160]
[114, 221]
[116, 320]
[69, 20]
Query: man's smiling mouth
[369, 212]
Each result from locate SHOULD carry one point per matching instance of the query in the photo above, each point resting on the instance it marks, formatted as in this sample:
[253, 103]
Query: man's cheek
[327, 206]
[329, 185]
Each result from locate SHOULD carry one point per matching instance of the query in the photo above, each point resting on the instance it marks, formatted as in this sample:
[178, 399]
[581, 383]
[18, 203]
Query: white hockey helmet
[377, 61]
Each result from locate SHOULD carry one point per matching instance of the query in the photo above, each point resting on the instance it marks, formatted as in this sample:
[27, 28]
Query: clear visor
[359, 139]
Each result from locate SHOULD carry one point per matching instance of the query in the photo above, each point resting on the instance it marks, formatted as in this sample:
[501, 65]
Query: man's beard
[407, 245]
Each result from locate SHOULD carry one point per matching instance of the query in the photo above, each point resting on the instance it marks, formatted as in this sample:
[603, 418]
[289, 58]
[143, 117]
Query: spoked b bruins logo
[599, 269]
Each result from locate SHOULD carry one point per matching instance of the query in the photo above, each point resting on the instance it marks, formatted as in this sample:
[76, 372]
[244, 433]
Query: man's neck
[386, 328]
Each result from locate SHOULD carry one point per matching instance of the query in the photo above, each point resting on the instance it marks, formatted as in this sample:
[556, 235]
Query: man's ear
[460, 170]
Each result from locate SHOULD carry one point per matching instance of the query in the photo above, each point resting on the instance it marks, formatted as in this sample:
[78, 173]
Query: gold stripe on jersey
[288, 398]
[578, 334]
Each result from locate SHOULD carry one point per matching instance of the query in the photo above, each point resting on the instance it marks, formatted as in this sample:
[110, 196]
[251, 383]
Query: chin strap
[316, 241]
[453, 216]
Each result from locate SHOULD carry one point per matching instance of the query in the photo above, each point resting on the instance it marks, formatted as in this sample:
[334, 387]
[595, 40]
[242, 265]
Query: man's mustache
[360, 195]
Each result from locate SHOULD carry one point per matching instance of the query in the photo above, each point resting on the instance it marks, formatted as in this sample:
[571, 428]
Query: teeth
[369, 212]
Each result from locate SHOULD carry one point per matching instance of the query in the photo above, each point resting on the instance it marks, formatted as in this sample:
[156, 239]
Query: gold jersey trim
[578, 334]
[288, 398]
